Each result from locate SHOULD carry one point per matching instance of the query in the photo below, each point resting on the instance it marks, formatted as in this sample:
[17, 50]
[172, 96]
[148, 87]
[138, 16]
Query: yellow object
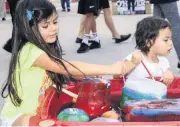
[110, 114]
[31, 79]
[46, 123]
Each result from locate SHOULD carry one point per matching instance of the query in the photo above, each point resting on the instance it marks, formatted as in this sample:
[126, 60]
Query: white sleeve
[164, 63]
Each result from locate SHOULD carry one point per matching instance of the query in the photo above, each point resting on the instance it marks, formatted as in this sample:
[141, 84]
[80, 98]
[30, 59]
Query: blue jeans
[67, 4]
[129, 4]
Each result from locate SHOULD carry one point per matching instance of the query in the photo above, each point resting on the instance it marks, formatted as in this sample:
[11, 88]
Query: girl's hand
[125, 67]
[136, 57]
[168, 77]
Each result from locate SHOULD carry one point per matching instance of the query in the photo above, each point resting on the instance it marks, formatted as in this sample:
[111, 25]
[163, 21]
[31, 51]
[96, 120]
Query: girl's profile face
[163, 43]
[49, 28]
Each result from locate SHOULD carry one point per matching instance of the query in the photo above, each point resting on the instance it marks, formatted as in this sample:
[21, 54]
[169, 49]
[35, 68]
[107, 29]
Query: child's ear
[149, 43]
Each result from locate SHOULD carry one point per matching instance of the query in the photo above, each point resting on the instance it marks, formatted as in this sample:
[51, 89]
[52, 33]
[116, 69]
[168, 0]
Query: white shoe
[128, 12]
[133, 12]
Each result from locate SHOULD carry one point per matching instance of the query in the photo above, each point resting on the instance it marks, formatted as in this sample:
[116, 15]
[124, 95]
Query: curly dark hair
[147, 30]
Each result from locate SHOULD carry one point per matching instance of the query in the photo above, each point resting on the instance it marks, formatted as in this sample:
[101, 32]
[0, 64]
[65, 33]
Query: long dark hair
[26, 30]
[147, 30]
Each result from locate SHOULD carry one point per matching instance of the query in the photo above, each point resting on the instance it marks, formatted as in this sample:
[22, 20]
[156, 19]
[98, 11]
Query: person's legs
[157, 11]
[91, 10]
[81, 10]
[68, 5]
[11, 10]
[90, 24]
[84, 47]
[82, 26]
[12, 6]
[95, 42]
[2, 10]
[81, 29]
[104, 4]
[89, 21]
[133, 5]
[129, 5]
[170, 11]
[63, 5]
[110, 24]
[108, 18]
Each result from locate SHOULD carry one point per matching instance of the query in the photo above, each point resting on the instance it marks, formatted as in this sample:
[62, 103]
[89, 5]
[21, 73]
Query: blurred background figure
[12, 7]
[67, 2]
[3, 10]
[131, 2]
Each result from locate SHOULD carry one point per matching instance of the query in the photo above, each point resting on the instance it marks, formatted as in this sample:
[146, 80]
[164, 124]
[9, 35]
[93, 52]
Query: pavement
[69, 26]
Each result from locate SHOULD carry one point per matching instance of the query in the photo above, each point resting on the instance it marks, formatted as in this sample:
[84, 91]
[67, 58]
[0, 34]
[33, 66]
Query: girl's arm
[45, 62]
[118, 68]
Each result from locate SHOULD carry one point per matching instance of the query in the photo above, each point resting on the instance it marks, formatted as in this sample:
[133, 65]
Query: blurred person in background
[3, 10]
[12, 7]
[131, 2]
[67, 5]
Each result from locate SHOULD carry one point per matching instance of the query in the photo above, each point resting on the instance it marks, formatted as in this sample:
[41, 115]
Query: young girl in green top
[37, 59]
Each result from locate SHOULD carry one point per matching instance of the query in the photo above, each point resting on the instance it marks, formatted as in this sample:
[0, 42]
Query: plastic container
[93, 97]
[152, 110]
[53, 104]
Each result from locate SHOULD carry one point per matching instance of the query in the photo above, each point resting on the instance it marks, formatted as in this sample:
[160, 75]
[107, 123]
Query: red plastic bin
[52, 106]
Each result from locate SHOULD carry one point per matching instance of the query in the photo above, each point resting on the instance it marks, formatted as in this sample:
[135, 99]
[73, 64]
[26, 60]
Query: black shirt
[162, 1]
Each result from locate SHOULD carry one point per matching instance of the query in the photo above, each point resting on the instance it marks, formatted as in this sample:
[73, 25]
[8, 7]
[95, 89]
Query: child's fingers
[171, 80]
[161, 79]
[167, 81]
[137, 56]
